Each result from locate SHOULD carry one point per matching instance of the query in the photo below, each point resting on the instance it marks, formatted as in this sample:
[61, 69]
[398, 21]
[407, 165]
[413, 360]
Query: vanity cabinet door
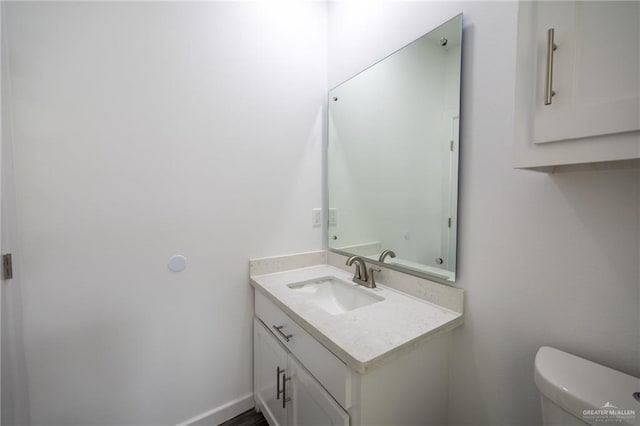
[269, 369]
[310, 403]
[334, 375]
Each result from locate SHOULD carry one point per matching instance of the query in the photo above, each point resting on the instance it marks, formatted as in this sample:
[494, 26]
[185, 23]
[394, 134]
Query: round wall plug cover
[177, 263]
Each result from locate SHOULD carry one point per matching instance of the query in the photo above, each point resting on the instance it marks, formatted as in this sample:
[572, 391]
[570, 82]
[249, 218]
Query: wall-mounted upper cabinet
[578, 85]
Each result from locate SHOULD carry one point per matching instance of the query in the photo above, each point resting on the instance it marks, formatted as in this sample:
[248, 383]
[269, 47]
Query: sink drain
[636, 395]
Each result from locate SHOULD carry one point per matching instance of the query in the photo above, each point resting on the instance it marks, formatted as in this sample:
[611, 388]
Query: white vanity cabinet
[285, 391]
[298, 381]
[270, 363]
[578, 85]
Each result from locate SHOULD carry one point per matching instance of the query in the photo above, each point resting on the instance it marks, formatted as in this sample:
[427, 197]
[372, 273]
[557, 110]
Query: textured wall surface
[142, 130]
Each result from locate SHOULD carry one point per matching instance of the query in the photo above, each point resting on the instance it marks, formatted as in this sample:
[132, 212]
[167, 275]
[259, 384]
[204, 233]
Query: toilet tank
[575, 391]
[554, 415]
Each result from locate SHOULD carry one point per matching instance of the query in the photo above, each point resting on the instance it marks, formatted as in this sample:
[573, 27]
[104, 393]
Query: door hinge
[7, 266]
[451, 145]
[449, 222]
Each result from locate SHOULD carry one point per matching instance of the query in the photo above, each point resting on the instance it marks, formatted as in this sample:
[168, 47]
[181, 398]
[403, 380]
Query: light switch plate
[316, 218]
[333, 217]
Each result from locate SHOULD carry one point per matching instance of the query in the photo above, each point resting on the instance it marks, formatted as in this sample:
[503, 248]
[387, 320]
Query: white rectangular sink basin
[334, 295]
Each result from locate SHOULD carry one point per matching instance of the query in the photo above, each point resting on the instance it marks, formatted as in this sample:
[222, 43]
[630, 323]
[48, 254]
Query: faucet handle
[372, 278]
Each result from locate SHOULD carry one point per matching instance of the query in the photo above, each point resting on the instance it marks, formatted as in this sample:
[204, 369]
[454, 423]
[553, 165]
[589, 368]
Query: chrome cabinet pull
[286, 337]
[278, 391]
[285, 398]
[551, 47]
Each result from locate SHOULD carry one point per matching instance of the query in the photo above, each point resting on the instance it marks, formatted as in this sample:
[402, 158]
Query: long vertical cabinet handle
[285, 399]
[278, 391]
[551, 47]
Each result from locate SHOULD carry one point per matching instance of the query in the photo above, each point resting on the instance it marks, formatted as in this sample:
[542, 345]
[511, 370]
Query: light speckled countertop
[365, 337]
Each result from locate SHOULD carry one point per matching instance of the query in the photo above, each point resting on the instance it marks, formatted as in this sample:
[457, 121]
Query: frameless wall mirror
[393, 157]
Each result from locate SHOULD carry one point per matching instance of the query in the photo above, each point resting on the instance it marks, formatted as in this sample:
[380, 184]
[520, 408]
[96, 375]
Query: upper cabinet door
[269, 368]
[595, 73]
[587, 54]
[310, 403]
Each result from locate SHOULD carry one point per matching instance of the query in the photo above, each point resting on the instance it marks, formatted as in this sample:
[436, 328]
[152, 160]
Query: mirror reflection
[393, 157]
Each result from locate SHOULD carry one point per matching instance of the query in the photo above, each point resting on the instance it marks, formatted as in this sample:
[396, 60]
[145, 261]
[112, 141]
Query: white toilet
[575, 391]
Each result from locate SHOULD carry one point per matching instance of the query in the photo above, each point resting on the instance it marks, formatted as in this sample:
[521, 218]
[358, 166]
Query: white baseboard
[222, 413]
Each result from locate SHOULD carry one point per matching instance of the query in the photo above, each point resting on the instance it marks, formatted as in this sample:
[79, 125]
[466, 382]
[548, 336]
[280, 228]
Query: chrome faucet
[361, 276]
[386, 253]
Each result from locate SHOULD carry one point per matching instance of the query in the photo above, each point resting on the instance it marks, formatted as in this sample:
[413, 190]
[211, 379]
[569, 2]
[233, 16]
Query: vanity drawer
[332, 373]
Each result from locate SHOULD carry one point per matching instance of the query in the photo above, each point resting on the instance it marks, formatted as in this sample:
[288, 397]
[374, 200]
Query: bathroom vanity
[328, 351]
[331, 352]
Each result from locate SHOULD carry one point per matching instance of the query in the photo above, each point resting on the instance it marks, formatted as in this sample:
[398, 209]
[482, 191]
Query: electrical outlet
[333, 217]
[316, 218]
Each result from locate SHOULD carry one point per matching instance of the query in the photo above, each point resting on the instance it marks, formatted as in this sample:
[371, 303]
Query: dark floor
[248, 418]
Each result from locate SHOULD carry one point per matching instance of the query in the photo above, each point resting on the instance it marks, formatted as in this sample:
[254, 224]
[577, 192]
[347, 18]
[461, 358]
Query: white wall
[545, 259]
[142, 130]
[15, 399]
